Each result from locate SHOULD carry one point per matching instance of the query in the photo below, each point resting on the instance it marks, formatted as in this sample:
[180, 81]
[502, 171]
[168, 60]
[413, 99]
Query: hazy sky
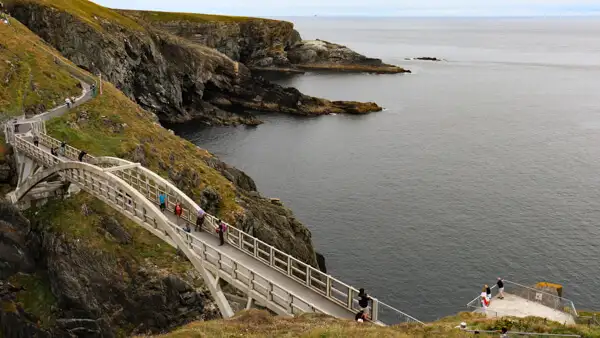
[368, 7]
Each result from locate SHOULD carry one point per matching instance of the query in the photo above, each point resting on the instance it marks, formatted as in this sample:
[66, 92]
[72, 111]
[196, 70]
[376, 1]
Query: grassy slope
[28, 75]
[38, 298]
[66, 218]
[98, 136]
[88, 11]
[259, 324]
[192, 17]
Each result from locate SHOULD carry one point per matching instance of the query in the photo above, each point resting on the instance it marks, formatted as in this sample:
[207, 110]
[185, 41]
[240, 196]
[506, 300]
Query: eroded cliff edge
[262, 44]
[177, 79]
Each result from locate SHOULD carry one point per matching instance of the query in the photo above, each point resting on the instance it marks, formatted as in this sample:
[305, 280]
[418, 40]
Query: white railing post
[328, 290]
[241, 240]
[374, 310]
[251, 286]
[271, 256]
[255, 247]
[349, 300]
[308, 276]
[289, 265]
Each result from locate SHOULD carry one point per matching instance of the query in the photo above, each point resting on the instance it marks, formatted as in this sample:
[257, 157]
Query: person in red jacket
[178, 211]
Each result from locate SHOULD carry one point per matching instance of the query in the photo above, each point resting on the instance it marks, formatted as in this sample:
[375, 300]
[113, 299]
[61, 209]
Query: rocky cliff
[262, 44]
[176, 79]
[113, 282]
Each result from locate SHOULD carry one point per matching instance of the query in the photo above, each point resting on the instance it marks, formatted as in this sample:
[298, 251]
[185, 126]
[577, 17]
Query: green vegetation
[191, 17]
[85, 10]
[116, 126]
[255, 324]
[66, 217]
[37, 297]
[29, 76]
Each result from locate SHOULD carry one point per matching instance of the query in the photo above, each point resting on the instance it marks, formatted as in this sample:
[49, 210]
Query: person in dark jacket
[200, 220]
[81, 155]
[36, 140]
[221, 231]
[488, 292]
[500, 284]
[363, 300]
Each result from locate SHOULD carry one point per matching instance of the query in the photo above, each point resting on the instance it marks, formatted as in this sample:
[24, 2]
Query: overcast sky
[367, 7]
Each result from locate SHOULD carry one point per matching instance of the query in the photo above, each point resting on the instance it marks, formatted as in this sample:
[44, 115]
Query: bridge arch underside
[129, 202]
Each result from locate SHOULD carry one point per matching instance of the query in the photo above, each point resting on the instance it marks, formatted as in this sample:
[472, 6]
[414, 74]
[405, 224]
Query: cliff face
[254, 42]
[170, 76]
[262, 44]
[109, 283]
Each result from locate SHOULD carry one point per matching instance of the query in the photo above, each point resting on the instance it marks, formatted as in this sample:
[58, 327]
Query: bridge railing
[114, 194]
[215, 261]
[152, 185]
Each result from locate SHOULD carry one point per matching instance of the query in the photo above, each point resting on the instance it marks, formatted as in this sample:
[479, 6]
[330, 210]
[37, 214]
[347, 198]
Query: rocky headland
[262, 44]
[197, 70]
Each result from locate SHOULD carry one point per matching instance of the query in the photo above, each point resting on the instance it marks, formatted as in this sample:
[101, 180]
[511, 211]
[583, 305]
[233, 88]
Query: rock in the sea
[428, 58]
[323, 55]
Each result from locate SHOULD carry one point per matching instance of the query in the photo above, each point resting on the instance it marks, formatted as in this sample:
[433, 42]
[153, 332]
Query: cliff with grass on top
[262, 44]
[86, 269]
[175, 78]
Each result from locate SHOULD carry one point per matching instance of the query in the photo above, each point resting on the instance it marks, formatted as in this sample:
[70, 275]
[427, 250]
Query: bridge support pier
[26, 167]
[250, 303]
[217, 293]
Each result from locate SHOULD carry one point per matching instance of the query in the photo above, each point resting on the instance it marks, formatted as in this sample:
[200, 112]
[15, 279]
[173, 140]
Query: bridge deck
[275, 276]
[516, 306]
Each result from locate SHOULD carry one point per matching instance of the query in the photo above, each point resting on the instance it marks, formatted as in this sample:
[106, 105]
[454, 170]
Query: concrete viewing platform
[516, 306]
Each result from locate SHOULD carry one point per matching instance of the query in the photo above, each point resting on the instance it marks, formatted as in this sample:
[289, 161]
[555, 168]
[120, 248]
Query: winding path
[267, 275]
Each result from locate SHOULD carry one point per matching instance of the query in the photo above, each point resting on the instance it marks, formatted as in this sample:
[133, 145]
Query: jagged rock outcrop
[263, 44]
[170, 76]
[319, 54]
[98, 293]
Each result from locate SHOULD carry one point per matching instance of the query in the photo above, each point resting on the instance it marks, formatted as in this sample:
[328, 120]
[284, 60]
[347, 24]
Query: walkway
[516, 306]
[269, 276]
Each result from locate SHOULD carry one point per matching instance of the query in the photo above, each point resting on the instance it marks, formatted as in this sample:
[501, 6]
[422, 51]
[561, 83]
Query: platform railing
[530, 294]
[542, 297]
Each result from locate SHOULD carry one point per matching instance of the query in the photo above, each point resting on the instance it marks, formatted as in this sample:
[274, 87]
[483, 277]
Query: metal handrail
[566, 305]
[562, 300]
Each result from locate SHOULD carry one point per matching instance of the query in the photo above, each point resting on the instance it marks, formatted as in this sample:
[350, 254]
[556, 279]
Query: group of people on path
[221, 227]
[486, 293]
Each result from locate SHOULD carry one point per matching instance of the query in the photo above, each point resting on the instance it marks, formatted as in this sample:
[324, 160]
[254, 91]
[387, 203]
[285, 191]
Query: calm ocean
[485, 165]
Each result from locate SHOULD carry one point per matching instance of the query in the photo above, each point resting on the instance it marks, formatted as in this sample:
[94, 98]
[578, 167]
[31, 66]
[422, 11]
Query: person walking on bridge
[178, 211]
[200, 219]
[63, 148]
[36, 140]
[81, 155]
[488, 292]
[221, 228]
[162, 199]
